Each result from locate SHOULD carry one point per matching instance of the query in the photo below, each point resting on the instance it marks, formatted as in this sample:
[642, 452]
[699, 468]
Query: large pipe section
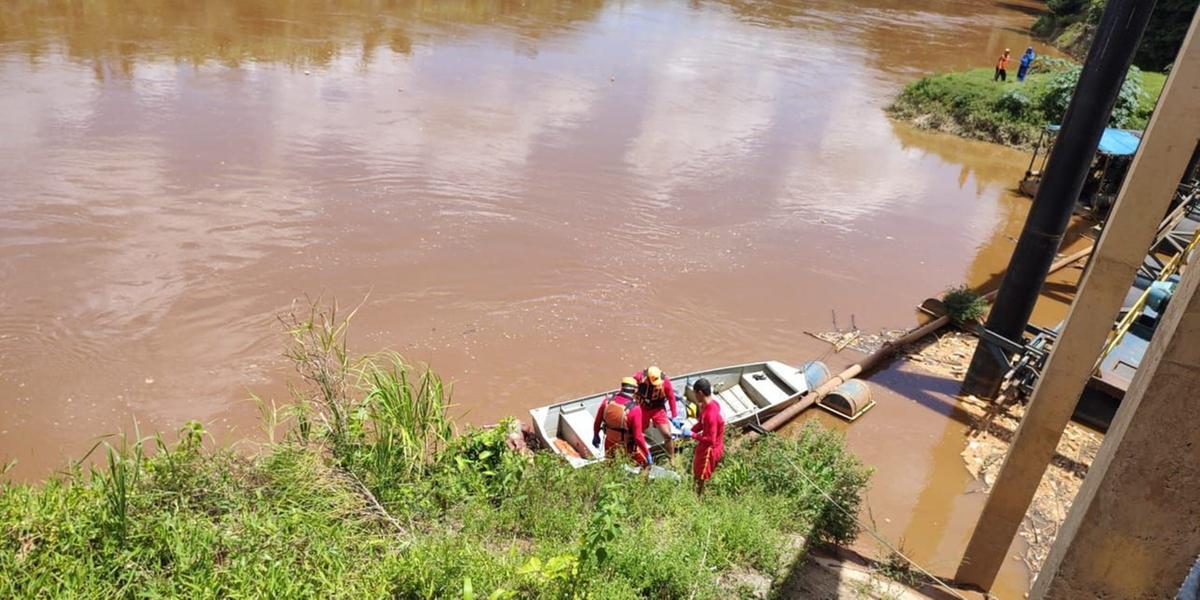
[885, 352]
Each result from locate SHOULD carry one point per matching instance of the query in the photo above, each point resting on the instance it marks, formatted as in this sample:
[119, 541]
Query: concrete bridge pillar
[1134, 530]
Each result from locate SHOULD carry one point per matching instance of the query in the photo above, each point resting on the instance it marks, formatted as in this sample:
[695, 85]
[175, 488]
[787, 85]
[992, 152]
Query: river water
[534, 197]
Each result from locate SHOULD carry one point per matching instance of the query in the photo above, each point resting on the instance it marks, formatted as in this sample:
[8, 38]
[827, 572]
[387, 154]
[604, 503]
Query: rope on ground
[879, 538]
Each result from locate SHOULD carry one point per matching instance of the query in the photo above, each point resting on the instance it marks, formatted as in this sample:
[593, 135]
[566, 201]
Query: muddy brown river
[534, 197]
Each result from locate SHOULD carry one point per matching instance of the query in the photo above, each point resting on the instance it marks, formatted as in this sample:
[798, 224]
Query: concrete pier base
[1134, 531]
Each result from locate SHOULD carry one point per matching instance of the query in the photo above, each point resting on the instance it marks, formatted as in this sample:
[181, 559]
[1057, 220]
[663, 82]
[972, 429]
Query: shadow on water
[1017, 31]
[921, 388]
[1077, 232]
[1025, 9]
[938, 393]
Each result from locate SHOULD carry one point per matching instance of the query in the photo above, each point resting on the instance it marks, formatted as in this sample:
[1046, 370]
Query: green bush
[1013, 103]
[811, 472]
[964, 304]
[1061, 88]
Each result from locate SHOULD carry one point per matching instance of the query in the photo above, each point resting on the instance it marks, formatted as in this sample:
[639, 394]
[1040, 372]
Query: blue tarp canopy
[1117, 142]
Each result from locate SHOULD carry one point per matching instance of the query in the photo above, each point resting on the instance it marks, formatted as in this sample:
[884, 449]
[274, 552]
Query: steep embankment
[372, 494]
[1071, 24]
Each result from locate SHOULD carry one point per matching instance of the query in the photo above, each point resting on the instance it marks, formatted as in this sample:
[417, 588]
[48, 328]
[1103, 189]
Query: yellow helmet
[654, 375]
[628, 382]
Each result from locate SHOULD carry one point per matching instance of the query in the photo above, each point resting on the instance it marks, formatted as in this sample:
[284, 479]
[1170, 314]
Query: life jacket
[615, 424]
[651, 396]
[1002, 63]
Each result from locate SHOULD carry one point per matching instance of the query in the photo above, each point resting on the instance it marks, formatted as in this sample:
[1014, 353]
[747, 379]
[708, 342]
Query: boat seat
[575, 426]
[742, 397]
[726, 409]
[731, 404]
[790, 376]
[762, 389]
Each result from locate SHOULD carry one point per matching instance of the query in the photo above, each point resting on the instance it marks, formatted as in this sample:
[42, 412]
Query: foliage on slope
[371, 493]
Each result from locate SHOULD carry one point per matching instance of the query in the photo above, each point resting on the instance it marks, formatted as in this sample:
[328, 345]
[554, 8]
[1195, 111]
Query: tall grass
[318, 352]
[124, 470]
[401, 426]
[384, 419]
[481, 520]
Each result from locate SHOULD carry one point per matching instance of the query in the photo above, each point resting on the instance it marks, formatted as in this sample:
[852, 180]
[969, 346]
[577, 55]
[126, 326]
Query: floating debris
[857, 340]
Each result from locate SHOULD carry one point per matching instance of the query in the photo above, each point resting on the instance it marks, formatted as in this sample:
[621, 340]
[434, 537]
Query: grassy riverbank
[370, 493]
[972, 105]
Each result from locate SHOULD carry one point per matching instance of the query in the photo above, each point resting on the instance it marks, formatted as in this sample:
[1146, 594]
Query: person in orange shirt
[1002, 67]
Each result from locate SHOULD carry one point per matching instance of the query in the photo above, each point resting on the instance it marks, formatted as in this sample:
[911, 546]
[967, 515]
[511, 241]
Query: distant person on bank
[1002, 67]
[1026, 62]
[709, 434]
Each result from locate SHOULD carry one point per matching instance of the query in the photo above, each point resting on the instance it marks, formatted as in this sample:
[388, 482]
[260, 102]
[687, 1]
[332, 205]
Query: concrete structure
[1134, 531]
[1164, 154]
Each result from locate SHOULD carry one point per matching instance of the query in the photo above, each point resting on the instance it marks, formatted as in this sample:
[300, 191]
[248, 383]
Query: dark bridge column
[1108, 60]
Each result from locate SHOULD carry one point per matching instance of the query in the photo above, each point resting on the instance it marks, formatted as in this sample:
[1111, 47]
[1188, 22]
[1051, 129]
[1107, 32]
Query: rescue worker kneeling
[620, 417]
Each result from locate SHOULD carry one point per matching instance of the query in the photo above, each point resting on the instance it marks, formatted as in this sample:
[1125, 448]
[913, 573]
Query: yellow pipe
[1126, 322]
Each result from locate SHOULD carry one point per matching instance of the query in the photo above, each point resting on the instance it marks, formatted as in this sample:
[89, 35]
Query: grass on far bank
[972, 105]
[372, 494]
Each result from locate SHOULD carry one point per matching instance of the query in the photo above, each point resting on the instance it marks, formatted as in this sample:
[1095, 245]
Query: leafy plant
[1014, 103]
[964, 304]
[897, 568]
[558, 572]
[1061, 88]
[603, 529]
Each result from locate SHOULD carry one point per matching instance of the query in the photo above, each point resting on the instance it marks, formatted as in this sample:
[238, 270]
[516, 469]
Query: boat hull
[747, 393]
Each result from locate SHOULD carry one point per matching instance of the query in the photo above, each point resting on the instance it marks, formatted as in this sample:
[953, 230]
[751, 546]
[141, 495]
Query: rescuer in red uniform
[623, 423]
[655, 393]
[709, 434]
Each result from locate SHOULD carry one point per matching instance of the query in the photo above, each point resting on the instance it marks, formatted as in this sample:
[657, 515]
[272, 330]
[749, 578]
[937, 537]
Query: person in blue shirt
[1026, 61]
